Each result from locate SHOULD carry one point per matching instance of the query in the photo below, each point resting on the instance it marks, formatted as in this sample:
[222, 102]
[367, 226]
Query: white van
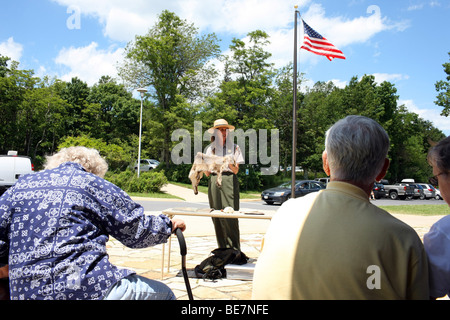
[12, 167]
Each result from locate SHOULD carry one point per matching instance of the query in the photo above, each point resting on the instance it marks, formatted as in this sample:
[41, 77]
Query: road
[154, 205]
[200, 226]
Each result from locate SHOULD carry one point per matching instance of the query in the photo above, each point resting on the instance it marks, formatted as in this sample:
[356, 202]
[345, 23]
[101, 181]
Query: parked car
[428, 190]
[323, 180]
[419, 192]
[297, 169]
[12, 167]
[379, 191]
[399, 191]
[147, 164]
[283, 192]
[438, 195]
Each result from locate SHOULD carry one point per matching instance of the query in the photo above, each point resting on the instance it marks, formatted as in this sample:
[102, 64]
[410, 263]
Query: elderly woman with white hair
[335, 244]
[54, 225]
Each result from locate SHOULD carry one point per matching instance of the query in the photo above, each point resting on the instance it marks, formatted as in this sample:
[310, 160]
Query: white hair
[88, 158]
[356, 147]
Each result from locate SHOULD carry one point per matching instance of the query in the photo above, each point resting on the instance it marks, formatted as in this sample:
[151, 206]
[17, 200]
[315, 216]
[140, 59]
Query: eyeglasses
[434, 180]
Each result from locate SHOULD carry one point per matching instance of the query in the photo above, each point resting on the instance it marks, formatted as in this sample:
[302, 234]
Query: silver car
[428, 190]
[147, 164]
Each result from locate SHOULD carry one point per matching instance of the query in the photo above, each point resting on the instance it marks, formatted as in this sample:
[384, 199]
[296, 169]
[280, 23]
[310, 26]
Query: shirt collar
[72, 164]
[347, 188]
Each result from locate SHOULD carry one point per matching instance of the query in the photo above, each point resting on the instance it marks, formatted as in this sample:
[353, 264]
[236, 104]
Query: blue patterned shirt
[54, 225]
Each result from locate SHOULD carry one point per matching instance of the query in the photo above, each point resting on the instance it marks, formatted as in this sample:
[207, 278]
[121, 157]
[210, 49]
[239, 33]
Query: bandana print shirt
[54, 226]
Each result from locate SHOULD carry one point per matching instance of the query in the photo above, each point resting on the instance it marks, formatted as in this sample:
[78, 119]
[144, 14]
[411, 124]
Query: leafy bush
[149, 181]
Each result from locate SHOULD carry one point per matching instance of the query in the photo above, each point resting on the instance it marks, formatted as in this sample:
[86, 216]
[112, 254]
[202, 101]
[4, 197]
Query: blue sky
[404, 41]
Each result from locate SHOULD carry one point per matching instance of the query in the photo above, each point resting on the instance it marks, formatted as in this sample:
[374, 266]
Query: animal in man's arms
[205, 164]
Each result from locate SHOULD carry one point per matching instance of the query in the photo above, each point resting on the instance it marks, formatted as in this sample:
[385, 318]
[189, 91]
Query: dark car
[418, 191]
[283, 192]
[379, 191]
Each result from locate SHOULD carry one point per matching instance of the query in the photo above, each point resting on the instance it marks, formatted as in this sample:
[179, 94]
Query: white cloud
[281, 46]
[339, 83]
[415, 7]
[433, 115]
[420, 6]
[391, 77]
[89, 63]
[123, 25]
[122, 20]
[237, 16]
[343, 32]
[435, 4]
[41, 72]
[339, 30]
[11, 49]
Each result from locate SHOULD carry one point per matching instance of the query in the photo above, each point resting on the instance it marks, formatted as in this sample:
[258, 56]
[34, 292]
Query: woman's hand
[177, 223]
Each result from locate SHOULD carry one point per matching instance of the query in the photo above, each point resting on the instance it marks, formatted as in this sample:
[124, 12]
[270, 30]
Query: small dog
[205, 163]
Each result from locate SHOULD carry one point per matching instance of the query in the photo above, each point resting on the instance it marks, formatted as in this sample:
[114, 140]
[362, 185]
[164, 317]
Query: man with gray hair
[335, 244]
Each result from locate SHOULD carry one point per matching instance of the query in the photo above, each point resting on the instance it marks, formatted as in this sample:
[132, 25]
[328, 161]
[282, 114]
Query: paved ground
[200, 242]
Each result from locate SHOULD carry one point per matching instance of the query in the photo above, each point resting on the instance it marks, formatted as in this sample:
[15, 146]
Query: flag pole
[294, 110]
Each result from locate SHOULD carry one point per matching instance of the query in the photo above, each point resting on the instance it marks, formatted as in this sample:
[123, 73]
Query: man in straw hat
[227, 230]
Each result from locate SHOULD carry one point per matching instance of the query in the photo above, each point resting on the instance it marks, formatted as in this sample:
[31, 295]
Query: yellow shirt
[335, 244]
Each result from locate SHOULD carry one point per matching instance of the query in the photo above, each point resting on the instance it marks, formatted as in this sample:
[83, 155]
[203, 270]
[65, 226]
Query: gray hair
[89, 159]
[356, 147]
[439, 155]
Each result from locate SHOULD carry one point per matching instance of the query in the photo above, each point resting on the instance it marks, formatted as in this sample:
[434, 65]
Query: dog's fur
[207, 163]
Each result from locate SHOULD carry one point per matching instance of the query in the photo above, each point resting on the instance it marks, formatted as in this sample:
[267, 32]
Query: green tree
[251, 91]
[42, 118]
[410, 135]
[443, 89]
[319, 110]
[171, 59]
[13, 87]
[361, 97]
[113, 113]
[281, 111]
[75, 93]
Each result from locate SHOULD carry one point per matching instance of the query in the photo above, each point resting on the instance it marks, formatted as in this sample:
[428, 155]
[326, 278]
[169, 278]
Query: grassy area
[161, 195]
[420, 210]
[250, 194]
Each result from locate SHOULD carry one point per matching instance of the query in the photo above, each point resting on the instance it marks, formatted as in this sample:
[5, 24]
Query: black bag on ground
[213, 267]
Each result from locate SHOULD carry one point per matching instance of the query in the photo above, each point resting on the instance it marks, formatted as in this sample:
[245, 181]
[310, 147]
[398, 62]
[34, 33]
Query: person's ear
[383, 170]
[326, 167]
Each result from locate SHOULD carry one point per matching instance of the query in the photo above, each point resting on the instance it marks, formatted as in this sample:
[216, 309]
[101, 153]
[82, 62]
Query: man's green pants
[227, 230]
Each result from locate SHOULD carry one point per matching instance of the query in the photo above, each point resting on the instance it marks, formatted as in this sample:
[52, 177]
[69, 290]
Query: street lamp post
[142, 91]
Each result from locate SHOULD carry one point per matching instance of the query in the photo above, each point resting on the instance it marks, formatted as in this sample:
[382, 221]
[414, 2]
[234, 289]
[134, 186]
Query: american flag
[317, 44]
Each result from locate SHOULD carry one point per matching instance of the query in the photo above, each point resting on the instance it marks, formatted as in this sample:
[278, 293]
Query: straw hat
[220, 123]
